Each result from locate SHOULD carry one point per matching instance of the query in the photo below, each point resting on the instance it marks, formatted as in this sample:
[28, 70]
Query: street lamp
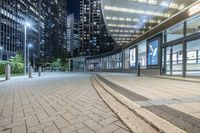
[29, 46]
[25, 28]
[1, 49]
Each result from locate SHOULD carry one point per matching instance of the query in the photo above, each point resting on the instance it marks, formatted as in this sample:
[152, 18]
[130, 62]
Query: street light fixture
[29, 46]
[25, 29]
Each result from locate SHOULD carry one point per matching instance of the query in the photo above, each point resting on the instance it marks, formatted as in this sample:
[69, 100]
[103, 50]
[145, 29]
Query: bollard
[30, 71]
[138, 69]
[39, 71]
[7, 72]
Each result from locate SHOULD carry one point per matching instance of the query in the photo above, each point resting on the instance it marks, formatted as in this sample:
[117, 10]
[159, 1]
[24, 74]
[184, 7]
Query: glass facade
[193, 25]
[142, 54]
[175, 32]
[193, 58]
[126, 58]
[179, 49]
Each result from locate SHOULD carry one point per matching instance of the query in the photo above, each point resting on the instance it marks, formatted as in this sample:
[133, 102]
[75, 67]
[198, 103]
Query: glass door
[174, 60]
[177, 59]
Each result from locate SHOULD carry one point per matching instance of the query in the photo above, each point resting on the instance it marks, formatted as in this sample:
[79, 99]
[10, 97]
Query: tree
[56, 64]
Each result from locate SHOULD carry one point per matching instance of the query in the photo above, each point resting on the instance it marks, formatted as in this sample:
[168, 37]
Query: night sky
[74, 7]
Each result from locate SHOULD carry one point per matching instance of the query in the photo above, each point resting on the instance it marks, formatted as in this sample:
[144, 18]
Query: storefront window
[193, 58]
[177, 59]
[142, 54]
[168, 62]
[193, 25]
[153, 52]
[133, 57]
[175, 32]
[126, 59]
[104, 63]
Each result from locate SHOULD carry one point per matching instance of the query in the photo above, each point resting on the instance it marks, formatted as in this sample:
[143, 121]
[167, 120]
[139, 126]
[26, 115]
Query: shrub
[17, 64]
[2, 67]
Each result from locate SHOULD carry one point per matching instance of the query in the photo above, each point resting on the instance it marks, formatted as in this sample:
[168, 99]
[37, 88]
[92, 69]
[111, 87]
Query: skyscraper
[55, 17]
[72, 36]
[47, 32]
[13, 16]
[94, 37]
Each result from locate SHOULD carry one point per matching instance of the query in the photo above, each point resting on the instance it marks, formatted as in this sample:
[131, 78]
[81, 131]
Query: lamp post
[25, 29]
[29, 46]
[1, 49]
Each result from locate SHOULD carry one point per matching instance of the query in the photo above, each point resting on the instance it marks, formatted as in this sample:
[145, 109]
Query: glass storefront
[193, 58]
[126, 58]
[179, 50]
[177, 59]
[175, 32]
[104, 63]
[193, 25]
[133, 57]
[168, 61]
[142, 54]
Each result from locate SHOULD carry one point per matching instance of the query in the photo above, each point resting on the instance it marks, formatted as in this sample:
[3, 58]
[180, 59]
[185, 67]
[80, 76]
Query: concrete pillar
[30, 71]
[39, 71]
[8, 72]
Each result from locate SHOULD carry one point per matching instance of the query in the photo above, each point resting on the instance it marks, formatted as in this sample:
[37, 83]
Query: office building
[94, 37]
[45, 19]
[54, 14]
[72, 36]
[13, 17]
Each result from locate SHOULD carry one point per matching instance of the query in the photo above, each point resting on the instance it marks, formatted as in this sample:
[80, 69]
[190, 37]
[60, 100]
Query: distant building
[72, 36]
[55, 36]
[94, 36]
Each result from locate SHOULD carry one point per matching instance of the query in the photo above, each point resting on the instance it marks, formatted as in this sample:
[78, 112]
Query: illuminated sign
[133, 57]
[153, 52]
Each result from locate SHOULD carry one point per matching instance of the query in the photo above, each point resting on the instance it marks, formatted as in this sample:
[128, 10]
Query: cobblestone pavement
[55, 103]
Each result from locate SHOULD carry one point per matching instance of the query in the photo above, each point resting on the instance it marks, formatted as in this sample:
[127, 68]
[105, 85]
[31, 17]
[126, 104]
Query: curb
[155, 121]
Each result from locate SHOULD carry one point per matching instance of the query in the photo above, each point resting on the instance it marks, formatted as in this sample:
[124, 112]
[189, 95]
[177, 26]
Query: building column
[184, 64]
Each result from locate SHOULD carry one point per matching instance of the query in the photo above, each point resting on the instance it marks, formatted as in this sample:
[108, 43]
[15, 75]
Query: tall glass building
[94, 36]
[46, 17]
[13, 16]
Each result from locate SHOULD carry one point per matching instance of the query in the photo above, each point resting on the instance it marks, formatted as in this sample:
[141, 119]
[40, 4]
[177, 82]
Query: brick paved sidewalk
[57, 102]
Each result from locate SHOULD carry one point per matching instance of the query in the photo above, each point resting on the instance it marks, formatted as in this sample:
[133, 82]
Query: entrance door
[177, 59]
[174, 60]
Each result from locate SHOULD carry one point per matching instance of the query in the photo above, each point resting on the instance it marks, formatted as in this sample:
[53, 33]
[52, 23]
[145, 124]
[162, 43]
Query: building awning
[128, 19]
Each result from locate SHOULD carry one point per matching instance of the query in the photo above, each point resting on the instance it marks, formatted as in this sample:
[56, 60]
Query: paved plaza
[55, 103]
[173, 100]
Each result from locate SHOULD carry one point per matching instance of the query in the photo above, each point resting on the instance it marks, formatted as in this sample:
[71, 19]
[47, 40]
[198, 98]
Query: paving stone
[108, 129]
[32, 122]
[85, 130]
[92, 124]
[121, 131]
[60, 123]
[19, 129]
[108, 121]
[57, 102]
[52, 129]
